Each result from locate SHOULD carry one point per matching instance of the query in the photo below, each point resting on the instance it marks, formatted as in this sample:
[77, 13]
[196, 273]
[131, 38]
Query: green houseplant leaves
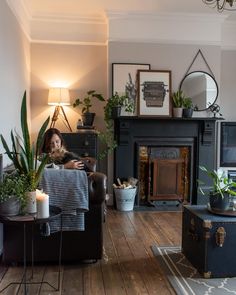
[24, 154]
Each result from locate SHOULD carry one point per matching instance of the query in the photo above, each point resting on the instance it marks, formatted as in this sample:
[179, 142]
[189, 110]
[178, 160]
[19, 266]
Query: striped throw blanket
[67, 189]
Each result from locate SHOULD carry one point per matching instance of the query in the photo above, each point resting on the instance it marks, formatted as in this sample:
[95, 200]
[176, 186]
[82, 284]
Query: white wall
[228, 84]
[77, 67]
[14, 73]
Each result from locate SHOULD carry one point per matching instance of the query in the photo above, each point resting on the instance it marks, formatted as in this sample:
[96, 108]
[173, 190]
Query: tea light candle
[42, 205]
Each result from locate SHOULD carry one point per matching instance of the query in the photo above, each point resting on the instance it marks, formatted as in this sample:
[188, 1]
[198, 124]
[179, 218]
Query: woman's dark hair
[45, 148]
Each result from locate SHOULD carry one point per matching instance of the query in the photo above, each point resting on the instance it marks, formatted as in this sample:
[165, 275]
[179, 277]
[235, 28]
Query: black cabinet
[83, 142]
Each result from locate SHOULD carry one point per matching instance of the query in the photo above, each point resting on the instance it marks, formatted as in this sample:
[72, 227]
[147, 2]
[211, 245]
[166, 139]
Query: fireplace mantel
[130, 132]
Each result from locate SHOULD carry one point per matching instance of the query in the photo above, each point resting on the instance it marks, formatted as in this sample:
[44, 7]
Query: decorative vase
[88, 118]
[177, 112]
[219, 203]
[10, 207]
[31, 206]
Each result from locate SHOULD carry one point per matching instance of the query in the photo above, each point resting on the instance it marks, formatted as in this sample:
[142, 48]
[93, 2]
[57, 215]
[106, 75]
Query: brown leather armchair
[76, 245]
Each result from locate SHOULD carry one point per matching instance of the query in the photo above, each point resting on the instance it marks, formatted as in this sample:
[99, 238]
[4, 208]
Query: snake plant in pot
[221, 190]
[24, 154]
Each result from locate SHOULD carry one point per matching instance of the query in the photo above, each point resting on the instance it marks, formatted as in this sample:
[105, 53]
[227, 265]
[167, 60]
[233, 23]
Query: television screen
[228, 144]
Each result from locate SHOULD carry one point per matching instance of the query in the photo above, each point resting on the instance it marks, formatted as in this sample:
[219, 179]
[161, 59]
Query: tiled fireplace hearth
[165, 154]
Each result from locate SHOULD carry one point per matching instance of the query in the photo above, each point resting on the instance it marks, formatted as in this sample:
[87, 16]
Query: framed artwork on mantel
[154, 90]
[124, 81]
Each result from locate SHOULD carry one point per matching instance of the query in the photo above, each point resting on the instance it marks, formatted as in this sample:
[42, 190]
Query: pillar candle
[42, 205]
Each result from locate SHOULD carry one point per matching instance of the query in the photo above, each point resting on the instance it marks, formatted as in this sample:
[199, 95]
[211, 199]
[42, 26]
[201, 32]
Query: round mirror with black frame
[202, 88]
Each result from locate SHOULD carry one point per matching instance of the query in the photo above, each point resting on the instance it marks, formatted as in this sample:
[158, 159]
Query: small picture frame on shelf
[154, 90]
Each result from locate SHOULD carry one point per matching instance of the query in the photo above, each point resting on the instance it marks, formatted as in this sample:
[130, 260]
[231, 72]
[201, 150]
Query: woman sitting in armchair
[54, 145]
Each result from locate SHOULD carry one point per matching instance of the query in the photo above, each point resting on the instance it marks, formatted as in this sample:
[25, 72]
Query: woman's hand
[74, 164]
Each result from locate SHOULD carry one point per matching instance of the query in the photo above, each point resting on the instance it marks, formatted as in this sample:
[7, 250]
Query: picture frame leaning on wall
[154, 91]
[124, 81]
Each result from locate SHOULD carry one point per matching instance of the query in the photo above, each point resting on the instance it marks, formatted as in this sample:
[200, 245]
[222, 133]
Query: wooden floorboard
[128, 266]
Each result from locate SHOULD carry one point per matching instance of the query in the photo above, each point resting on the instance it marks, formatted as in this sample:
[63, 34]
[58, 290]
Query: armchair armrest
[97, 185]
[89, 163]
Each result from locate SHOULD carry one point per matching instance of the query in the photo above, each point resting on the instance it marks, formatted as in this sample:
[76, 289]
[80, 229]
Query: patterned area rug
[185, 279]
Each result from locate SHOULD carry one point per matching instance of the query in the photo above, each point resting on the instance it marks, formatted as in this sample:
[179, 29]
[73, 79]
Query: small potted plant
[177, 99]
[221, 190]
[12, 194]
[86, 103]
[187, 107]
[114, 104]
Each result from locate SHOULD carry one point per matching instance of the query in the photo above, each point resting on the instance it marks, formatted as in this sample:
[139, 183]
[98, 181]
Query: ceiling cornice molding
[87, 19]
[165, 27]
[199, 17]
[22, 15]
[70, 42]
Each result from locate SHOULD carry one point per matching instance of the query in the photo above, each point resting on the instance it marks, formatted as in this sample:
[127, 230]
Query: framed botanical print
[154, 90]
[124, 81]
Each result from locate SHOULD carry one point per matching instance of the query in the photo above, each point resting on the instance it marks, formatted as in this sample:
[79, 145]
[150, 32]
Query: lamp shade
[58, 96]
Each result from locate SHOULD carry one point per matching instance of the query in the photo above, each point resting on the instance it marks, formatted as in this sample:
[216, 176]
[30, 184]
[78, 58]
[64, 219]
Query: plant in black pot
[12, 194]
[112, 111]
[86, 103]
[221, 191]
[187, 107]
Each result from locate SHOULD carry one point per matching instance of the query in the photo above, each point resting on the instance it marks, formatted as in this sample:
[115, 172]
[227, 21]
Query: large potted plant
[86, 104]
[24, 155]
[221, 190]
[12, 194]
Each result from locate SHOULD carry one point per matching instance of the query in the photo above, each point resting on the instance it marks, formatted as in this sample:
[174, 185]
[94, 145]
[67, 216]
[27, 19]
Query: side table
[32, 220]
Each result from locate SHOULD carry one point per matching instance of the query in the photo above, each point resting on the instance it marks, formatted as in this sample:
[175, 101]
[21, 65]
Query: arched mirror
[202, 88]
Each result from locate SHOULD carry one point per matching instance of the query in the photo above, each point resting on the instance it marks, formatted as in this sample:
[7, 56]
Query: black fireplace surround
[197, 133]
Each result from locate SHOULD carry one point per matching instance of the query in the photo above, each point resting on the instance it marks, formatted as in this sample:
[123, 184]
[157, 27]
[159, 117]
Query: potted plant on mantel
[221, 190]
[86, 103]
[178, 98]
[112, 111]
[24, 156]
[187, 107]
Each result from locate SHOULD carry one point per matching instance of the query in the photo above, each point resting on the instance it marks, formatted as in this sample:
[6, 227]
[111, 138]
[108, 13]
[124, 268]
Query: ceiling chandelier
[221, 5]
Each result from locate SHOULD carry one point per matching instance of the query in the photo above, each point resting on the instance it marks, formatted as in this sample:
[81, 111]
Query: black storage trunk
[209, 241]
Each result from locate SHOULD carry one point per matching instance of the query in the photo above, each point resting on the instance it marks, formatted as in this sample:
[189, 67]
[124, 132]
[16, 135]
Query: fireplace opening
[165, 173]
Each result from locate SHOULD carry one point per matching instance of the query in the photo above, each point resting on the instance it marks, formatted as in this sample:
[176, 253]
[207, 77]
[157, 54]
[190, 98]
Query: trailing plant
[117, 100]
[220, 183]
[107, 137]
[86, 102]
[23, 153]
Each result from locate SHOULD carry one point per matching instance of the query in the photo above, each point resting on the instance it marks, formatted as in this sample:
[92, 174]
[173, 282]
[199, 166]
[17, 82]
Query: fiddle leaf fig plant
[86, 102]
[23, 153]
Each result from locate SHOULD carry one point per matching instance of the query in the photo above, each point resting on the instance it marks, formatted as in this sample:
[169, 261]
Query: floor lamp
[59, 97]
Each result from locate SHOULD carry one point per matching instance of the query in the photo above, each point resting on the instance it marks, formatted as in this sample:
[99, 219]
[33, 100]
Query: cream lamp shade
[58, 96]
